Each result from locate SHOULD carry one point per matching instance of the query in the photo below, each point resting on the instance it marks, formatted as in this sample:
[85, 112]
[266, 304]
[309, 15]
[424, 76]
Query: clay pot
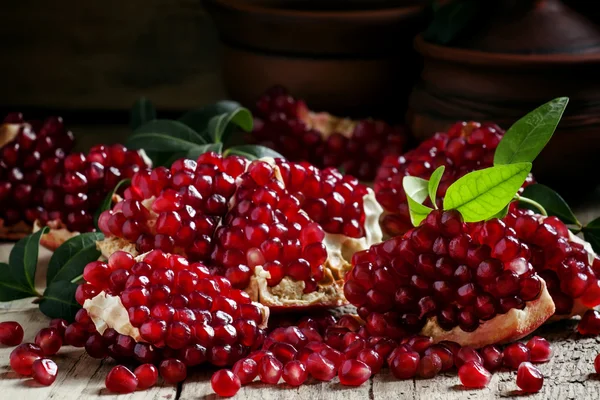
[520, 60]
[350, 57]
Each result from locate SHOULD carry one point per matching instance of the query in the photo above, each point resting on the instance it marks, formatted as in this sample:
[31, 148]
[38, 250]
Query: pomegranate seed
[270, 370]
[492, 357]
[121, 380]
[23, 356]
[246, 369]
[320, 367]
[354, 373]
[284, 352]
[404, 365]
[597, 364]
[11, 333]
[529, 378]
[514, 354]
[49, 340]
[467, 354]
[44, 371]
[60, 325]
[473, 375]
[445, 355]
[95, 346]
[225, 383]
[540, 350]
[429, 366]
[147, 375]
[589, 324]
[295, 373]
[172, 370]
[372, 359]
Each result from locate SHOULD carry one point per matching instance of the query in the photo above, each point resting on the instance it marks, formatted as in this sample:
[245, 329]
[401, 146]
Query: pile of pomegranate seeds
[287, 126]
[444, 269]
[467, 146]
[29, 163]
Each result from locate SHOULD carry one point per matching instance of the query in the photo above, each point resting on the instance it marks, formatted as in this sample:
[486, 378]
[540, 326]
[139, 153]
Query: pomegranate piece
[44, 371]
[473, 375]
[354, 373]
[429, 366]
[405, 365]
[540, 350]
[492, 357]
[529, 378]
[23, 356]
[270, 370]
[295, 373]
[589, 324]
[172, 370]
[147, 375]
[285, 124]
[11, 333]
[121, 380]
[225, 383]
[49, 340]
[320, 367]
[246, 369]
[514, 354]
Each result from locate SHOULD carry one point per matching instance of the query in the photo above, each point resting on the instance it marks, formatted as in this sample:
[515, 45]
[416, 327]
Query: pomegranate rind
[8, 132]
[504, 328]
[327, 124]
[57, 235]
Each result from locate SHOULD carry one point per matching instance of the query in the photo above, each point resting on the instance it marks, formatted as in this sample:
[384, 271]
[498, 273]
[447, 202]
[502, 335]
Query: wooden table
[568, 375]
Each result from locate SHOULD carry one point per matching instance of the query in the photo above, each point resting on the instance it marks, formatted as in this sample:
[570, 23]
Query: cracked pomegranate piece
[11, 333]
[451, 281]
[288, 126]
[467, 146]
[258, 224]
[529, 378]
[190, 314]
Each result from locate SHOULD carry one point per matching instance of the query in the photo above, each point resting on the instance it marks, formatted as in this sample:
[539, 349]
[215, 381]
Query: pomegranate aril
[445, 355]
[404, 365]
[270, 370]
[354, 373]
[172, 370]
[473, 375]
[466, 354]
[95, 346]
[44, 371]
[492, 357]
[514, 354]
[23, 356]
[589, 325]
[225, 383]
[529, 378]
[429, 366]
[49, 340]
[540, 350]
[76, 334]
[147, 375]
[246, 369]
[295, 373]
[11, 333]
[121, 380]
[597, 364]
[320, 368]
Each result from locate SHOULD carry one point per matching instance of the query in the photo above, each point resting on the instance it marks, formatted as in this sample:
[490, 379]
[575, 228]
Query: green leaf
[551, 201]
[252, 152]
[526, 138]
[10, 288]
[434, 183]
[59, 300]
[451, 19]
[591, 233]
[143, 111]
[198, 119]
[416, 190]
[221, 126]
[163, 135]
[196, 151]
[107, 202]
[480, 195]
[24, 257]
[503, 213]
[69, 260]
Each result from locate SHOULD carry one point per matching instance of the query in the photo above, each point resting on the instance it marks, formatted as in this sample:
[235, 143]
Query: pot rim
[480, 58]
[379, 14]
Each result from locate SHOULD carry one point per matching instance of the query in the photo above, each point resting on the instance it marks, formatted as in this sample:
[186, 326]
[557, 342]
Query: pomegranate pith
[529, 378]
[11, 333]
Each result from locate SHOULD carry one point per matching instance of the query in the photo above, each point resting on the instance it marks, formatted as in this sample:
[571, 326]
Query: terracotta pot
[350, 57]
[500, 77]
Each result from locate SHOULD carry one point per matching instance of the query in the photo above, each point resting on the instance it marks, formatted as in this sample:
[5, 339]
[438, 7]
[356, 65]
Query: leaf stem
[77, 278]
[533, 203]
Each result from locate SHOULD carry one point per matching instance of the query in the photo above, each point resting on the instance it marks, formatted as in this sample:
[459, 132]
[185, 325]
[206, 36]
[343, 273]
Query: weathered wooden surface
[568, 375]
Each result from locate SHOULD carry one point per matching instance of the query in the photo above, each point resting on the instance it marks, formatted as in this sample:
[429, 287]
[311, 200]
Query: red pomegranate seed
[320, 367]
[492, 357]
[529, 378]
[540, 350]
[172, 370]
[354, 373]
[467, 354]
[473, 375]
[60, 325]
[429, 366]
[23, 356]
[95, 346]
[147, 375]
[590, 323]
[121, 380]
[295, 373]
[225, 383]
[371, 358]
[44, 371]
[284, 352]
[514, 354]
[11, 333]
[246, 369]
[270, 370]
[597, 364]
[444, 354]
[49, 340]
[404, 365]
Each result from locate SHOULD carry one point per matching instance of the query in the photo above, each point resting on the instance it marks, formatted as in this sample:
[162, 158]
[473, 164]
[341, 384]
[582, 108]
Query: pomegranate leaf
[10, 288]
[198, 119]
[481, 194]
[526, 138]
[195, 152]
[252, 152]
[67, 262]
[164, 136]
[108, 200]
[59, 300]
[591, 233]
[416, 192]
[434, 183]
[143, 111]
[552, 202]
[24, 257]
[221, 126]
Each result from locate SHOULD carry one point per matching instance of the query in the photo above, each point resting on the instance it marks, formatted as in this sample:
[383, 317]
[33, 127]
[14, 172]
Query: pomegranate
[467, 146]
[283, 232]
[452, 281]
[289, 127]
